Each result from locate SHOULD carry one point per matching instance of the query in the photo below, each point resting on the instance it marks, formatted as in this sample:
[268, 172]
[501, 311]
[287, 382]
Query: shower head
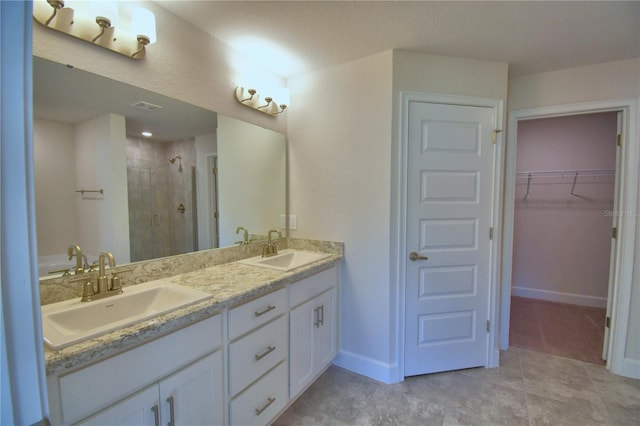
[173, 160]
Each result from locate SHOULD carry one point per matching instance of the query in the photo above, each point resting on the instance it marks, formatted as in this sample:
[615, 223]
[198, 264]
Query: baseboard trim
[383, 372]
[556, 296]
[629, 368]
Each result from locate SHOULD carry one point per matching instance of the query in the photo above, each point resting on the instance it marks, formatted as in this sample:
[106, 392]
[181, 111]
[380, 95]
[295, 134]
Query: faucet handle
[116, 284]
[87, 291]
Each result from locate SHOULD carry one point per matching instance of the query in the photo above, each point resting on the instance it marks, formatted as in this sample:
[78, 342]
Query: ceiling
[69, 95]
[296, 37]
[532, 36]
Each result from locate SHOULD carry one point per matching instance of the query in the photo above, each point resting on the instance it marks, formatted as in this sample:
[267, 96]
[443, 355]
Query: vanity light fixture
[99, 27]
[250, 98]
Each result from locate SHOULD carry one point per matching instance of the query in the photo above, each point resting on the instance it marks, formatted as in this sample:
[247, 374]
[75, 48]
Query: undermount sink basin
[286, 260]
[72, 321]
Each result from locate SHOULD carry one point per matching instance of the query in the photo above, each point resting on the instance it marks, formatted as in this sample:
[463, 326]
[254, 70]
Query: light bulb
[143, 23]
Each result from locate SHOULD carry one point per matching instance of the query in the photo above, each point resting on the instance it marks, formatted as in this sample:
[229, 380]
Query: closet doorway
[565, 188]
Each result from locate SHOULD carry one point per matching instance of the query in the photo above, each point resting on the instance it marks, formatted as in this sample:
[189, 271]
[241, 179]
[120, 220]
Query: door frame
[399, 220]
[626, 176]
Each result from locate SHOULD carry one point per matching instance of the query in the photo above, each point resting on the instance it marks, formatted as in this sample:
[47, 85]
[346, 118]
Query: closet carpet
[561, 329]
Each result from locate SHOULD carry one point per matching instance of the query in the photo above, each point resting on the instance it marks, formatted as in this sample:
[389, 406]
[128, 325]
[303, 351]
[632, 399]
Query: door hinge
[491, 233]
[607, 322]
[494, 135]
[216, 215]
[488, 326]
[614, 233]
[619, 139]
[215, 170]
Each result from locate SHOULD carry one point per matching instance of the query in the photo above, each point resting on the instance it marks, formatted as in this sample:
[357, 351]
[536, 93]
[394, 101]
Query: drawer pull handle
[270, 401]
[319, 312]
[265, 310]
[172, 421]
[156, 415]
[265, 353]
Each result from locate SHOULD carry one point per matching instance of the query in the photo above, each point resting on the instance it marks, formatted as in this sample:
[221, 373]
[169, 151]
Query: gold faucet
[245, 238]
[75, 250]
[104, 288]
[271, 248]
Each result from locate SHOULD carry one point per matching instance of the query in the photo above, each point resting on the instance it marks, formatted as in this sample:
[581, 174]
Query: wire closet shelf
[560, 177]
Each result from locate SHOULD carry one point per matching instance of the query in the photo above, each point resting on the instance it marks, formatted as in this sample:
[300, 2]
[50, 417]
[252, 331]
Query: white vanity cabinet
[183, 369]
[258, 354]
[187, 397]
[313, 328]
[241, 367]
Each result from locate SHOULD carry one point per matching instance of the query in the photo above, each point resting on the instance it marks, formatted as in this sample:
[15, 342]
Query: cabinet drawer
[253, 314]
[312, 286]
[256, 353]
[259, 404]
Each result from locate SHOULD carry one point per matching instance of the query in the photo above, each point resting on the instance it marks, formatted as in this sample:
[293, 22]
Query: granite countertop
[229, 284]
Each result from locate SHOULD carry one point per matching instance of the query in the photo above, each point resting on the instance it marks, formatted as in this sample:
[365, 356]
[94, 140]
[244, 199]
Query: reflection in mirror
[188, 187]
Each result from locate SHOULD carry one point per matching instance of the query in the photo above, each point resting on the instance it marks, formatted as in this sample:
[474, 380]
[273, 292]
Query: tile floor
[570, 331]
[529, 388]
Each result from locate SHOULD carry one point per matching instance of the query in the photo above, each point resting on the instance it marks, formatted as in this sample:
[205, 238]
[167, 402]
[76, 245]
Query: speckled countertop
[229, 284]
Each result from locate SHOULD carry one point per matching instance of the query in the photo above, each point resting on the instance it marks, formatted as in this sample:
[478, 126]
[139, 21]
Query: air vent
[146, 106]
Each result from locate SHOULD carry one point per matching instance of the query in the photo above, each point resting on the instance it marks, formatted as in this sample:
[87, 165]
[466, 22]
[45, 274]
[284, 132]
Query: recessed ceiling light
[147, 134]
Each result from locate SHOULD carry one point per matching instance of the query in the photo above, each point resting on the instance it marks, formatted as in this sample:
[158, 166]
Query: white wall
[339, 185]
[55, 185]
[569, 235]
[601, 82]
[101, 163]
[185, 63]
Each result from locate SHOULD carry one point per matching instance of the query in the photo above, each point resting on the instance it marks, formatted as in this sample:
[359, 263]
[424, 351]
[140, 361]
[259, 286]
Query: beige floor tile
[529, 388]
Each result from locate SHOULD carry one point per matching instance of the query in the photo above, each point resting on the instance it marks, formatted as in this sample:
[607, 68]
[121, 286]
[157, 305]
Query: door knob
[413, 256]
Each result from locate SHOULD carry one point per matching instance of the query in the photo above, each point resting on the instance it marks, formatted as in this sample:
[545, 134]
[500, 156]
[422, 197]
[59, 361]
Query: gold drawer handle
[265, 310]
[265, 353]
[270, 401]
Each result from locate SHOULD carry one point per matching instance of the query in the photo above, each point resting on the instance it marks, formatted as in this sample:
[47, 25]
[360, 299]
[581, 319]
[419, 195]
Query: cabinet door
[193, 395]
[301, 347]
[139, 409]
[325, 330]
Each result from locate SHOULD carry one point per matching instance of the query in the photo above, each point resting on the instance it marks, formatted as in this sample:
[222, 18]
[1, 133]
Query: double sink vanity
[233, 343]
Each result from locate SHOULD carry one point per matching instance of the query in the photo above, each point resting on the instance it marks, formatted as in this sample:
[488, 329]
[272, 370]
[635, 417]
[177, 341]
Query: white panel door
[449, 212]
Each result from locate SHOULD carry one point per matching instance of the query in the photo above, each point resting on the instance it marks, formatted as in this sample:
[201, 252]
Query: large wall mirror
[102, 185]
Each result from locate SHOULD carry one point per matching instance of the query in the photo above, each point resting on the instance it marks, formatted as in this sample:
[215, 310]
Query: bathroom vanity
[240, 357]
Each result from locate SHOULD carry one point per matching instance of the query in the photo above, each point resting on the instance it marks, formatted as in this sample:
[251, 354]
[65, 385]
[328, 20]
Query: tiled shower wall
[156, 189]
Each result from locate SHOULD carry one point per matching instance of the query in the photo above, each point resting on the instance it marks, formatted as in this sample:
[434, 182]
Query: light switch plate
[293, 221]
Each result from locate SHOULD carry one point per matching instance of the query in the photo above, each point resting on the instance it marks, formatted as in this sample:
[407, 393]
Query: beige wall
[339, 164]
[570, 235]
[601, 82]
[55, 185]
[611, 80]
[251, 178]
[101, 163]
[343, 177]
[185, 63]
